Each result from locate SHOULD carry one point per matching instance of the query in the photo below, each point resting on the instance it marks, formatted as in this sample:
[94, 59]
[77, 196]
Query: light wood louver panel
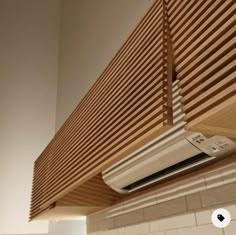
[40, 179]
[203, 36]
[127, 106]
[88, 198]
[91, 193]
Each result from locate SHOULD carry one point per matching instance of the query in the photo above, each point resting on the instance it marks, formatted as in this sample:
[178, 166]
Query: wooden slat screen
[127, 106]
[203, 37]
[91, 193]
[41, 170]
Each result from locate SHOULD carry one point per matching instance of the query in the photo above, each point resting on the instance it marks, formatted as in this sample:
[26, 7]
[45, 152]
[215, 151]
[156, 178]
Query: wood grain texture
[129, 105]
[203, 36]
[219, 121]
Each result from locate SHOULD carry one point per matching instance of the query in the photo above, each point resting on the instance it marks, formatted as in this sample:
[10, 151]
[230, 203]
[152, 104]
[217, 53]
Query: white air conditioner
[175, 151]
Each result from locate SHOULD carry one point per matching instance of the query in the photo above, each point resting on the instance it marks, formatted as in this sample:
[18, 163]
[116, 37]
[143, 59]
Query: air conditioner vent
[169, 171]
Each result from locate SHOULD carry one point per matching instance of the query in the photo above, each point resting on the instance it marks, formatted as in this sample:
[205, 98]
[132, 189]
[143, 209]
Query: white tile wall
[172, 207]
[109, 232]
[219, 195]
[229, 174]
[129, 218]
[193, 185]
[182, 209]
[172, 232]
[141, 202]
[121, 231]
[201, 230]
[194, 201]
[214, 179]
[204, 216]
[136, 229]
[232, 210]
[157, 233]
[231, 229]
[174, 222]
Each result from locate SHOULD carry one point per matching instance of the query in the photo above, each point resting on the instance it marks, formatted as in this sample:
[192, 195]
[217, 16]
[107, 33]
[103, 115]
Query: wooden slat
[95, 192]
[124, 91]
[211, 102]
[210, 21]
[213, 64]
[219, 121]
[168, 57]
[212, 92]
[204, 50]
[135, 39]
[133, 91]
[129, 105]
[209, 47]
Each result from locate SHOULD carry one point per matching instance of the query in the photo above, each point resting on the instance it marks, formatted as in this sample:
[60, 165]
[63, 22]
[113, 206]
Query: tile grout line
[195, 216]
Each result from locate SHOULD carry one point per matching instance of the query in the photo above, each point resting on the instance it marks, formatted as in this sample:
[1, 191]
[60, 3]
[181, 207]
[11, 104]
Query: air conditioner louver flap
[169, 171]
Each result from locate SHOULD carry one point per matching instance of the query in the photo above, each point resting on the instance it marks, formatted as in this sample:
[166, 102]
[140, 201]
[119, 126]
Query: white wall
[92, 32]
[29, 33]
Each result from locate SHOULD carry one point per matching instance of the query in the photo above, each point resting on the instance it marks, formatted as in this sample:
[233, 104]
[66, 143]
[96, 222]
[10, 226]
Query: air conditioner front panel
[154, 161]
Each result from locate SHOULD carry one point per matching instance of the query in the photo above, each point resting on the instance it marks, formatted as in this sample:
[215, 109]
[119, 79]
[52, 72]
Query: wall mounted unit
[174, 152]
